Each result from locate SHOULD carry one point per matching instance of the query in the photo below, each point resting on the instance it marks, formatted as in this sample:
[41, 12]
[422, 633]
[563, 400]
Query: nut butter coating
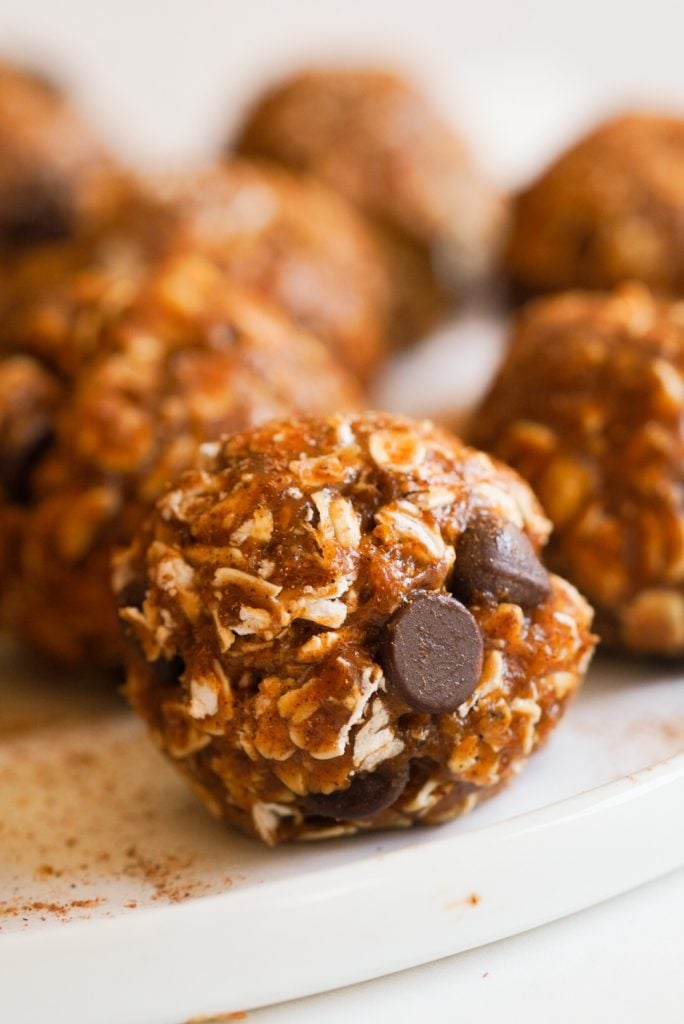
[127, 366]
[295, 644]
[588, 408]
[376, 139]
[608, 210]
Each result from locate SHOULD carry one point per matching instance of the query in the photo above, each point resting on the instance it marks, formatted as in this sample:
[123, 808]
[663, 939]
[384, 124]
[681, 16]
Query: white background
[165, 79]
[166, 76]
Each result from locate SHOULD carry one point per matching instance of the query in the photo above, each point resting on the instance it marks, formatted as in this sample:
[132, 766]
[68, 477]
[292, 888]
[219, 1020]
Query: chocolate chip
[132, 594]
[433, 652]
[168, 671]
[17, 463]
[498, 560]
[40, 210]
[368, 794]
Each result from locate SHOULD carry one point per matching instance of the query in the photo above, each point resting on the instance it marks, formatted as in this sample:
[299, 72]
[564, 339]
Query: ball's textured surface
[301, 642]
[588, 406]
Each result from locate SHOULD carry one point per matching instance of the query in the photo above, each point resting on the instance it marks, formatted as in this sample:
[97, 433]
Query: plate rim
[82, 945]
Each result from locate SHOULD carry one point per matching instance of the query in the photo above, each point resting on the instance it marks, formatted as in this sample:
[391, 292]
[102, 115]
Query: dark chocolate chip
[168, 671]
[368, 794]
[40, 210]
[498, 560]
[132, 594]
[433, 652]
[18, 464]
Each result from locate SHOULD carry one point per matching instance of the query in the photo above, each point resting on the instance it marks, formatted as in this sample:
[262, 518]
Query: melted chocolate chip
[17, 466]
[132, 594]
[41, 210]
[166, 671]
[497, 560]
[433, 652]
[368, 794]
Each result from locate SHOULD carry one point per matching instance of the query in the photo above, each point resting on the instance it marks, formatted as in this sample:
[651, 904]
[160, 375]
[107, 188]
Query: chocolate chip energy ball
[56, 300]
[92, 431]
[343, 624]
[588, 406]
[53, 171]
[288, 240]
[608, 210]
[376, 139]
[295, 242]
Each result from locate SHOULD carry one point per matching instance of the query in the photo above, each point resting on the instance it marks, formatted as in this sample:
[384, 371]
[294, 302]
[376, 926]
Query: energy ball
[289, 241]
[54, 173]
[117, 379]
[294, 241]
[588, 408]
[376, 139]
[608, 210]
[56, 300]
[343, 624]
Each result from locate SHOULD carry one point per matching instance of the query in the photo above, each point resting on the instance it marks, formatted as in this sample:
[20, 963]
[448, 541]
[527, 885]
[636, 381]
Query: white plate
[114, 881]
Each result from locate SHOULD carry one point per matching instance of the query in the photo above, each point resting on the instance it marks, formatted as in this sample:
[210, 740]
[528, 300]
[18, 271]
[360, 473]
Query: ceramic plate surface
[114, 880]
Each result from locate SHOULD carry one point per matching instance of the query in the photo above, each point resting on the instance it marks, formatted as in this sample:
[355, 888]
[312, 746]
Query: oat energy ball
[53, 171]
[588, 407]
[342, 624]
[376, 139]
[292, 240]
[103, 402]
[56, 300]
[610, 209]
